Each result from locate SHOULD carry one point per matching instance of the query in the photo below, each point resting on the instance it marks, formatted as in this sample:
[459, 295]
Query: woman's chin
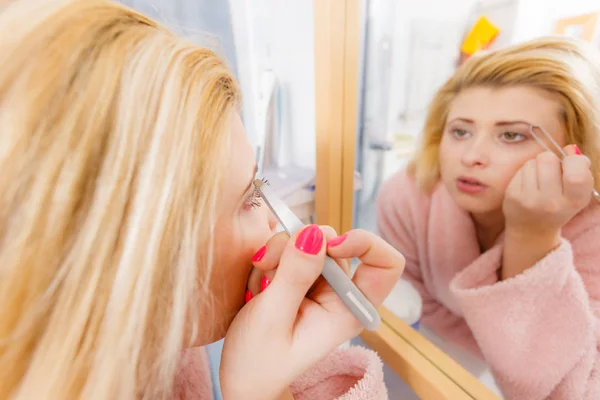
[214, 336]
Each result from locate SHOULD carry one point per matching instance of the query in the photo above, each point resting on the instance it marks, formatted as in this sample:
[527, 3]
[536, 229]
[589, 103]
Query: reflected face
[244, 225]
[486, 140]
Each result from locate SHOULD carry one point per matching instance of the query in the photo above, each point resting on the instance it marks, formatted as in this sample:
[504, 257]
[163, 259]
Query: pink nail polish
[248, 296]
[577, 151]
[264, 282]
[336, 241]
[310, 240]
[259, 254]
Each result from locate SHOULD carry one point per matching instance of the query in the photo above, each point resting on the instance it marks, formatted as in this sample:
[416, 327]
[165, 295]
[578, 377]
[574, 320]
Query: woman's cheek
[510, 163]
[255, 224]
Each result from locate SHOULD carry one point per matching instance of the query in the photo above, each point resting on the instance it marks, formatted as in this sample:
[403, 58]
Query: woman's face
[486, 141]
[244, 226]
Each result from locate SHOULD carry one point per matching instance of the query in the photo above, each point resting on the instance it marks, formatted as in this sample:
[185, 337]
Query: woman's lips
[469, 185]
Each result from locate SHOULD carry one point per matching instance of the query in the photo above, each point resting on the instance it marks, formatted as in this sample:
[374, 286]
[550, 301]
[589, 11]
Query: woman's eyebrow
[466, 120]
[504, 123]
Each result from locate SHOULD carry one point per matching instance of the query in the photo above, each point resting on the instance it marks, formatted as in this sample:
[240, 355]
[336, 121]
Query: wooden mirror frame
[427, 370]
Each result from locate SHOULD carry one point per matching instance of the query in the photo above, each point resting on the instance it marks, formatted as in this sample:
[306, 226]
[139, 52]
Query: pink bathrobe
[538, 331]
[351, 374]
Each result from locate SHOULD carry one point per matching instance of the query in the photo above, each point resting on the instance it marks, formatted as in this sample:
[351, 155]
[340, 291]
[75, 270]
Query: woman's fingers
[549, 171]
[515, 185]
[381, 264]
[266, 259]
[299, 267]
[331, 235]
[577, 180]
[529, 182]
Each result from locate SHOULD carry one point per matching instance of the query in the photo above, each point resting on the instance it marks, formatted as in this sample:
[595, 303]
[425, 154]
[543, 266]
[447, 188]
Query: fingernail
[264, 282]
[336, 241]
[259, 254]
[310, 240]
[248, 296]
[577, 151]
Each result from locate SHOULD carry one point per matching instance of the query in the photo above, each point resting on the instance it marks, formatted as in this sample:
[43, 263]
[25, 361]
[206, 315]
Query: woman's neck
[488, 227]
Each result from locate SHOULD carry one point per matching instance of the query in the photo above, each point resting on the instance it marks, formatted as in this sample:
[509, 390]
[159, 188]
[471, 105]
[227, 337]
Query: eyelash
[455, 132]
[520, 135]
[253, 200]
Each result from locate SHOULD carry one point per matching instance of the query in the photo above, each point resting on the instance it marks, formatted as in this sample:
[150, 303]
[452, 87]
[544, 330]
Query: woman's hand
[541, 198]
[298, 319]
[545, 193]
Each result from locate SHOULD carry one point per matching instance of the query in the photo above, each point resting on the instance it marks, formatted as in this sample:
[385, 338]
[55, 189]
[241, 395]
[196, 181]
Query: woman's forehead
[518, 103]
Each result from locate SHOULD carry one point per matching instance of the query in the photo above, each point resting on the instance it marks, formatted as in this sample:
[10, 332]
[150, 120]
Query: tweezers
[347, 291]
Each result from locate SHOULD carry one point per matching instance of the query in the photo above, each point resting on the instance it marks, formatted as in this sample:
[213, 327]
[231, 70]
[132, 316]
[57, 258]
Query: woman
[128, 224]
[500, 236]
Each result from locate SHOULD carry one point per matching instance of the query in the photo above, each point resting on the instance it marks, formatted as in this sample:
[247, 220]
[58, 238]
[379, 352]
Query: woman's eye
[513, 137]
[253, 200]
[460, 133]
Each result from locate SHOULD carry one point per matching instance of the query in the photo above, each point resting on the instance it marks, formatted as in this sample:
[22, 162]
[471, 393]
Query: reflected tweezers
[561, 152]
[352, 297]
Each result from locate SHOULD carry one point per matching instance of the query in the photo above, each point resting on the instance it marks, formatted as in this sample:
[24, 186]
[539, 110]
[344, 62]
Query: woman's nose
[477, 154]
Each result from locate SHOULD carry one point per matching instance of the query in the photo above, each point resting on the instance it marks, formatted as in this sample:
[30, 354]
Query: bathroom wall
[537, 17]
[444, 20]
[278, 35]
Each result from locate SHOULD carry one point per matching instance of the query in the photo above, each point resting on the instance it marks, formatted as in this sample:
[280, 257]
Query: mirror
[408, 50]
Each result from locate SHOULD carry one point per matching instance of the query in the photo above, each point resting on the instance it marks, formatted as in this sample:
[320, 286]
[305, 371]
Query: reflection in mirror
[497, 233]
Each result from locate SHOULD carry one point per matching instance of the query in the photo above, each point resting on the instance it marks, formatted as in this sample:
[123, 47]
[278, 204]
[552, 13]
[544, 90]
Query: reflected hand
[545, 194]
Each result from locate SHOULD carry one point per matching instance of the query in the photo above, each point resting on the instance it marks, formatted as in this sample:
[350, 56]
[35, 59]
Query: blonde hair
[114, 135]
[567, 68]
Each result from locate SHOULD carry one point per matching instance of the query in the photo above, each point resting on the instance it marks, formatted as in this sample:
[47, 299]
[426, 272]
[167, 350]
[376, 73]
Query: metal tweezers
[561, 152]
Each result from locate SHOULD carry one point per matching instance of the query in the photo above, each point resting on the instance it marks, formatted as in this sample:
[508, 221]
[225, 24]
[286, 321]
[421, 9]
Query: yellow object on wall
[480, 37]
